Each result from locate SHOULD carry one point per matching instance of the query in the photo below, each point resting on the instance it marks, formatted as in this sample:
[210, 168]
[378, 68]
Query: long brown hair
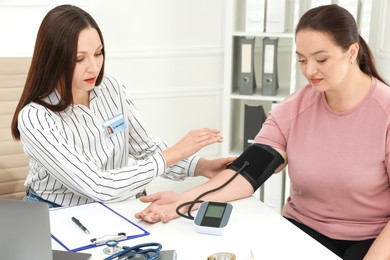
[54, 59]
[340, 25]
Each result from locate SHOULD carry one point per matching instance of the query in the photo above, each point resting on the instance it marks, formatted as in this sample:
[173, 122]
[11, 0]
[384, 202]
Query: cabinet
[273, 193]
[233, 101]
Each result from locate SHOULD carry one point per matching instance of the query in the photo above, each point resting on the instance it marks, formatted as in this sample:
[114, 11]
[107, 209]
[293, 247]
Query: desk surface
[253, 229]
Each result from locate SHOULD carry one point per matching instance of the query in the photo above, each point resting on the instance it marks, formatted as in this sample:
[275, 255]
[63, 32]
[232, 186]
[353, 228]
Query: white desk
[253, 227]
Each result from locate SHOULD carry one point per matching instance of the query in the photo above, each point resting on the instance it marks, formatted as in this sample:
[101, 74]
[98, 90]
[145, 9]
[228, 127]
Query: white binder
[351, 5]
[254, 15]
[276, 16]
[315, 3]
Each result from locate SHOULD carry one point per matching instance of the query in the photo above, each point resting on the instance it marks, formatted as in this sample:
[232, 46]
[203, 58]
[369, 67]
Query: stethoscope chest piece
[111, 247]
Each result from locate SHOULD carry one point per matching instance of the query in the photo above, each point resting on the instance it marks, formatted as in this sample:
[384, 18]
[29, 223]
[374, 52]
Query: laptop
[25, 233]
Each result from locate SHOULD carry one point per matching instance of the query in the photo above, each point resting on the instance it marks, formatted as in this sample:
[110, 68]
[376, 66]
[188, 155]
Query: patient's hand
[162, 208]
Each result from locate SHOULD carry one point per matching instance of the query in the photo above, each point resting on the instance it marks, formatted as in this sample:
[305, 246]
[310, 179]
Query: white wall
[169, 53]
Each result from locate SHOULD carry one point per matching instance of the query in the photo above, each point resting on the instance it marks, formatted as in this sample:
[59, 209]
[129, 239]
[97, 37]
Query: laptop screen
[25, 232]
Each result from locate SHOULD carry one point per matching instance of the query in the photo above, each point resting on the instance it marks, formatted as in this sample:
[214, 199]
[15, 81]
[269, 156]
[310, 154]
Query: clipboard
[102, 222]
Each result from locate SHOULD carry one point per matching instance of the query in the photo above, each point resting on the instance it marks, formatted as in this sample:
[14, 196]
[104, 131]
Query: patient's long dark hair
[54, 59]
[340, 25]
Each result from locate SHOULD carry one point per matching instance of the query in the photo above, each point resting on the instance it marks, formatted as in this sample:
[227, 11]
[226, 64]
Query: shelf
[264, 34]
[282, 94]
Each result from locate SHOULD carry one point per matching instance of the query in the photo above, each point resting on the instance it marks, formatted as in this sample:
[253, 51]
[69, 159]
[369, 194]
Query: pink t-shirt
[337, 162]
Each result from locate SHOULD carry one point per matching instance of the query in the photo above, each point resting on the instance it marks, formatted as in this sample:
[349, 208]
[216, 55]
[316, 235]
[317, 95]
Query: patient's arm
[164, 204]
[251, 170]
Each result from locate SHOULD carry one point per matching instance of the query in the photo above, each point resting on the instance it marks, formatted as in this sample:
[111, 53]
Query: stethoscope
[146, 251]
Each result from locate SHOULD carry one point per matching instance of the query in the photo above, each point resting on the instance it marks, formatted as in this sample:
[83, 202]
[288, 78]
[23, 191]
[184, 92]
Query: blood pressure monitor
[212, 217]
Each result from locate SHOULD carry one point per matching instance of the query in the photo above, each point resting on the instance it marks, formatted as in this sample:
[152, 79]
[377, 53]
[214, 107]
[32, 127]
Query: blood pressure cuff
[257, 163]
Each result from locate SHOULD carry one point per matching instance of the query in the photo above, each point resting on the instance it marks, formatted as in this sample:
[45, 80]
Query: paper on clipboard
[98, 218]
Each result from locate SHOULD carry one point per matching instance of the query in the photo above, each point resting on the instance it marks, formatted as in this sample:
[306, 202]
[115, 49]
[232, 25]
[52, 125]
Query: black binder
[253, 120]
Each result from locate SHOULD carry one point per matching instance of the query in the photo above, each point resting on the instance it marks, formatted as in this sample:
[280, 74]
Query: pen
[78, 223]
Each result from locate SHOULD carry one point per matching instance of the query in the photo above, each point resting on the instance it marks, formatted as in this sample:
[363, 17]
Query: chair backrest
[13, 161]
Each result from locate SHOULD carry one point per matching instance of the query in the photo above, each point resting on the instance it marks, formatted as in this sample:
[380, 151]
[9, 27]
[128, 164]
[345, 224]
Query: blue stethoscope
[147, 251]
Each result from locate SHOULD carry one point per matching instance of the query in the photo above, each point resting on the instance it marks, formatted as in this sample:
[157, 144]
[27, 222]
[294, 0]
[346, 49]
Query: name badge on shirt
[115, 125]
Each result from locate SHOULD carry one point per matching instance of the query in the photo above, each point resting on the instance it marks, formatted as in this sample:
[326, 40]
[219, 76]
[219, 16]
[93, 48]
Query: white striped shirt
[74, 161]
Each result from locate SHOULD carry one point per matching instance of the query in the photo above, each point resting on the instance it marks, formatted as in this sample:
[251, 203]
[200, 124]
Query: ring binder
[247, 80]
[254, 118]
[276, 16]
[351, 5]
[254, 15]
[270, 81]
[315, 3]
